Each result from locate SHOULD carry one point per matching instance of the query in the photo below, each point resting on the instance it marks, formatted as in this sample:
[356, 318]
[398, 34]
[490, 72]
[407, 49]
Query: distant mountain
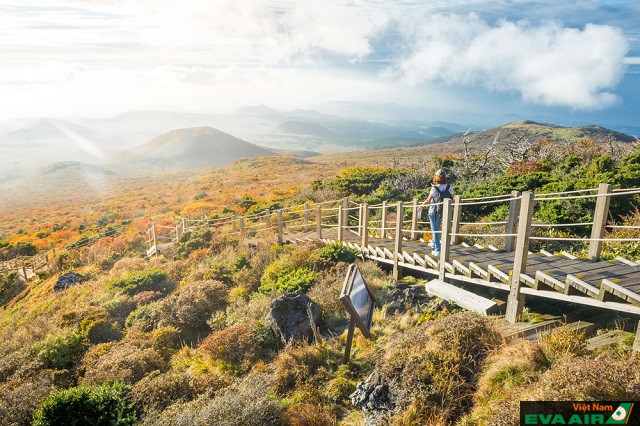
[305, 128]
[194, 148]
[535, 131]
[72, 166]
[61, 133]
[257, 110]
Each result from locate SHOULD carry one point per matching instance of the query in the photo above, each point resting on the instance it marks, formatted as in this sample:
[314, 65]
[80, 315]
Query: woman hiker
[439, 191]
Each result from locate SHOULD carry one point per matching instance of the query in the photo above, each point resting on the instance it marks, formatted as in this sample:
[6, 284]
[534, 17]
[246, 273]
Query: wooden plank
[461, 267]
[606, 339]
[583, 300]
[475, 269]
[581, 286]
[550, 281]
[500, 275]
[568, 255]
[460, 297]
[621, 292]
[626, 261]
[431, 261]
[419, 259]
[546, 253]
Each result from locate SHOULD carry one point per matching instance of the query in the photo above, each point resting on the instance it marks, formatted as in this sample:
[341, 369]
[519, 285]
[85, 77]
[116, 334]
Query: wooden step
[606, 339]
[460, 297]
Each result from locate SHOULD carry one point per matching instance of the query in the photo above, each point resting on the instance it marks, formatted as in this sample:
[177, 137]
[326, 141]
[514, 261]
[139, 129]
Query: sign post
[358, 300]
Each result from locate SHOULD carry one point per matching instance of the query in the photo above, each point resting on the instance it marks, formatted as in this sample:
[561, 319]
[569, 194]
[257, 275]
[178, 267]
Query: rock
[288, 316]
[372, 397]
[67, 280]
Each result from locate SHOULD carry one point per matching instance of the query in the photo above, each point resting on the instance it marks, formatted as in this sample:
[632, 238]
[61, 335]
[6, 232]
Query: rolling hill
[194, 148]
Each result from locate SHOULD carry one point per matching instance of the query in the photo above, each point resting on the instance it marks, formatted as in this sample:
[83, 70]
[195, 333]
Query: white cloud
[546, 64]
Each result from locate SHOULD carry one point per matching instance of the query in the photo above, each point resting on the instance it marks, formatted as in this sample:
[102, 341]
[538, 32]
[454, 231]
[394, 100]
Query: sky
[569, 60]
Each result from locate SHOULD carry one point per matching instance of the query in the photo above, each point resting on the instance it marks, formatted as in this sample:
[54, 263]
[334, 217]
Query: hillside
[188, 338]
[194, 148]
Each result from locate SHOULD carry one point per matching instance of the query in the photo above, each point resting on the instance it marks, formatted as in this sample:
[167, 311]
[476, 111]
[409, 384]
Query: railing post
[345, 212]
[445, 236]
[512, 220]
[279, 218]
[267, 219]
[233, 223]
[153, 233]
[397, 249]
[414, 220]
[455, 221]
[306, 217]
[383, 222]
[204, 219]
[515, 302]
[241, 225]
[319, 222]
[340, 222]
[599, 221]
[365, 226]
[360, 220]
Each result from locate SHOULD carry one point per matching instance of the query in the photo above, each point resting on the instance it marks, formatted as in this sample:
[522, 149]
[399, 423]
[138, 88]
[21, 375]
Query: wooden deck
[612, 285]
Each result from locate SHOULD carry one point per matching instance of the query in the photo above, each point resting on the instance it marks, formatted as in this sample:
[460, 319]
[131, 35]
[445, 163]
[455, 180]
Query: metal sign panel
[358, 299]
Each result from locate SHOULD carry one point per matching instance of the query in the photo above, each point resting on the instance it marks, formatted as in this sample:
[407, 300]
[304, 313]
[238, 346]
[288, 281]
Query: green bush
[337, 252]
[146, 280]
[279, 278]
[85, 405]
[60, 351]
[191, 241]
[360, 180]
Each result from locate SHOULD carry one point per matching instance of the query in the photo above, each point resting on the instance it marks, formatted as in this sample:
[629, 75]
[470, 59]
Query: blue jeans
[435, 222]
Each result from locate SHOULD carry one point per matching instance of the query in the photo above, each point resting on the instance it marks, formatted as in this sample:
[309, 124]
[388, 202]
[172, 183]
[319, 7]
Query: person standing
[439, 191]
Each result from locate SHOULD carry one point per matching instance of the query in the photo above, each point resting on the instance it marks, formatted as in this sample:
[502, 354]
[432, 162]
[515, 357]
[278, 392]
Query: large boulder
[67, 280]
[289, 319]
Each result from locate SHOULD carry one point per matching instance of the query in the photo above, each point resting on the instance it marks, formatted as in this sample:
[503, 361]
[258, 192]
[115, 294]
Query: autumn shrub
[254, 308]
[245, 402]
[20, 397]
[430, 370]
[310, 415]
[190, 309]
[359, 180]
[145, 297]
[237, 348]
[338, 252]
[128, 360]
[60, 351]
[281, 277]
[10, 286]
[146, 280]
[505, 373]
[86, 405]
[302, 366]
[119, 307]
[99, 329]
[326, 292]
[564, 341]
[157, 390]
[590, 378]
[193, 240]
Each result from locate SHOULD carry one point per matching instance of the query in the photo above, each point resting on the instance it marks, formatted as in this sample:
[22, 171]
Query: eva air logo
[621, 415]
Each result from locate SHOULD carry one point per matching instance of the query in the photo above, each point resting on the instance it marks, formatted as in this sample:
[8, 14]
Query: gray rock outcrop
[67, 280]
[372, 397]
[289, 319]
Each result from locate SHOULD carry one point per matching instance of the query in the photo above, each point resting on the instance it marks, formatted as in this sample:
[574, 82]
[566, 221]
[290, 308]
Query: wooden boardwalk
[612, 285]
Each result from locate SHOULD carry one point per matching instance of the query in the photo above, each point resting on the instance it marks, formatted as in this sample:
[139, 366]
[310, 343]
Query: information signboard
[358, 299]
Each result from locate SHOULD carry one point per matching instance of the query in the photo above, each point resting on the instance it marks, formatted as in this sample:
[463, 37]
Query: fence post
[241, 225]
[414, 220]
[455, 221]
[153, 231]
[397, 249]
[233, 223]
[599, 221]
[279, 218]
[515, 301]
[360, 220]
[319, 222]
[306, 217]
[267, 218]
[340, 222]
[365, 226]
[345, 212]
[445, 236]
[512, 220]
[383, 222]
[204, 219]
